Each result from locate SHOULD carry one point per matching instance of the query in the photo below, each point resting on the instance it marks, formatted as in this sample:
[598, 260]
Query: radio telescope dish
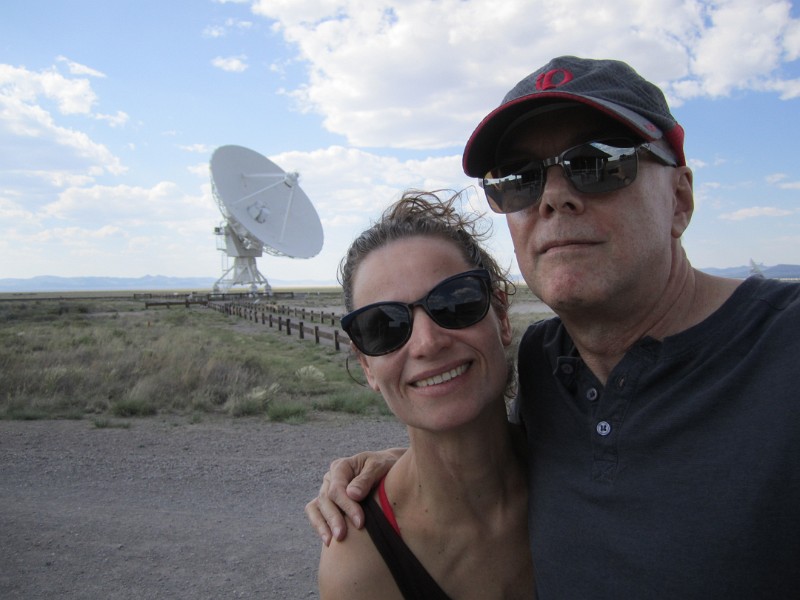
[265, 211]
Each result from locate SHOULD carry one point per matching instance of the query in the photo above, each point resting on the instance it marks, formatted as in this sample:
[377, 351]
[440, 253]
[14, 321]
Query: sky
[110, 111]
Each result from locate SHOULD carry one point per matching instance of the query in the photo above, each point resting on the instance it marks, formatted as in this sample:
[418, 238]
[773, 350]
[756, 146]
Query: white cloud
[72, 96]
[696, 163]
[779, 180]
[232, 64]
[117, 120]
[775, 178]
[751, 31]
[214, 31]
[200, 169]
[239, 24]
[33, 144]
[79, 69]
[788, 90]
[122, 230]
[755, 212]
[11, 211]
[76, 236]
[197, 148]
[350, 187]
[421, 74]
[219, 31]
[129, 205]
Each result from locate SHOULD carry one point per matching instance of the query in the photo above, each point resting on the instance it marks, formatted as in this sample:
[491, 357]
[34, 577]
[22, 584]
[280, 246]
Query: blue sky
[109, 113]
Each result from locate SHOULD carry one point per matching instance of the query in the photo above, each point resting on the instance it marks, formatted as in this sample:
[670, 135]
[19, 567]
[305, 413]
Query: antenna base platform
[243, 272]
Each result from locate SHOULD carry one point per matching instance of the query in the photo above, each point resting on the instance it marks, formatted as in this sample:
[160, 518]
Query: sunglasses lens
[514, 186]
[599, 167]
[592, 168]
[457, 302]
[380, 329]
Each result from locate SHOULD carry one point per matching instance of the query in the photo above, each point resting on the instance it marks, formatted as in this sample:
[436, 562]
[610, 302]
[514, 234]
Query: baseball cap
[610, 86]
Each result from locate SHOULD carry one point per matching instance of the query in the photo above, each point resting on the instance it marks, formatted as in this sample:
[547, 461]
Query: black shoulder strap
[414, 581]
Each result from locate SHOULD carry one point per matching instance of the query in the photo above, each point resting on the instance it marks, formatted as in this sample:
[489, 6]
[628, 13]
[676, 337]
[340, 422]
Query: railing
[280, 316]
[186, 302]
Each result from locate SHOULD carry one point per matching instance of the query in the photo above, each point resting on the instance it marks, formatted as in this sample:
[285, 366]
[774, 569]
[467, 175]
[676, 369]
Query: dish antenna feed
[265, 211]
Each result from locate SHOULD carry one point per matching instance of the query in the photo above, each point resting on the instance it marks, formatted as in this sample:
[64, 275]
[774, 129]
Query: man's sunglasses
[455, 303]
[592, 168]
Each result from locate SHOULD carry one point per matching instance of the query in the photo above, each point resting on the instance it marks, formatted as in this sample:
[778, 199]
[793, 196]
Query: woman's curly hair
[419, 213]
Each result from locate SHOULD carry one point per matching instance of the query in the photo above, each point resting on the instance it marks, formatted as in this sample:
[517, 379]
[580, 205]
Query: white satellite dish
[265, 211]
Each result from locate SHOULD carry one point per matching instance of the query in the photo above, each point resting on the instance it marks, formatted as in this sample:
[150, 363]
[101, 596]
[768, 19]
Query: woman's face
[441, 378]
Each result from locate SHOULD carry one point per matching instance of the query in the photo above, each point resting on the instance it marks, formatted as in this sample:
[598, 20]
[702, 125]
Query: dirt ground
[168, 508]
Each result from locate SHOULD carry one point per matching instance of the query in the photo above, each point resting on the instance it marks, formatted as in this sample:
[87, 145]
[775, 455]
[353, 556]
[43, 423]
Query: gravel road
[167, 508]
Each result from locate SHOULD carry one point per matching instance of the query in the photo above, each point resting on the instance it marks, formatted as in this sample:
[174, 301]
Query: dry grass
[108, 357]
[71, 359]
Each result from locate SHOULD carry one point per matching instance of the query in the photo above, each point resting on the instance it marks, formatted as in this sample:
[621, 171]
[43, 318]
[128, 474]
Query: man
[662, 424]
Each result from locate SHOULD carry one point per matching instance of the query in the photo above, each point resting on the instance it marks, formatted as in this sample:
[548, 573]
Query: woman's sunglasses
[455, 303]
[592, 168]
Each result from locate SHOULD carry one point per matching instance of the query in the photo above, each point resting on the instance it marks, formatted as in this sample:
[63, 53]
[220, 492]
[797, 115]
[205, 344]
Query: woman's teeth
[442, 377]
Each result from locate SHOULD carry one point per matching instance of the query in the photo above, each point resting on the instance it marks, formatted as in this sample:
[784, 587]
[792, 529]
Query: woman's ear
[363, 360]
[506, 335]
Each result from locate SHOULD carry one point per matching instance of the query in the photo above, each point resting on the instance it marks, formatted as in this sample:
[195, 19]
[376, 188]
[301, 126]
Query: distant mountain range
[49, 283]
[776, 272]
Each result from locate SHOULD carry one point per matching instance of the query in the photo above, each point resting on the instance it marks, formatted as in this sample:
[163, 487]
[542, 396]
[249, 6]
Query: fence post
[316, 334]
[288, 326]
[302, 333]
[336, 338]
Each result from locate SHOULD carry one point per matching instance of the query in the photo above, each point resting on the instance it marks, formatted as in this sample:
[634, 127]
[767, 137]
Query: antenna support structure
[264, 210]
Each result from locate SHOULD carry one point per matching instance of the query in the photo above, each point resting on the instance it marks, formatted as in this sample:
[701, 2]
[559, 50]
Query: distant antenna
[265, 211]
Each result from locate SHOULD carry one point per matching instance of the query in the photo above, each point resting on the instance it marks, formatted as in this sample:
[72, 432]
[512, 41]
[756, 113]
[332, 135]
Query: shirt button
[567, 369]
[591, 394]
[603, 428]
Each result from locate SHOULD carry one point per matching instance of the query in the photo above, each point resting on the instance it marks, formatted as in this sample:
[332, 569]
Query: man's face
[580, 251]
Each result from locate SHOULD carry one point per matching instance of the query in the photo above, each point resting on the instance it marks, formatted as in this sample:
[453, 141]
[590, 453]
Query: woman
[429, 325]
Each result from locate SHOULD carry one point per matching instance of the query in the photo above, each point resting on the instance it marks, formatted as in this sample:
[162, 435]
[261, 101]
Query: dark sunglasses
[455, 303]
[592, 168]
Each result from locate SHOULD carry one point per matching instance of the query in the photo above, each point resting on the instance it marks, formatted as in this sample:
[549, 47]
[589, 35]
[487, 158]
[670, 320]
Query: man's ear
[683, 206]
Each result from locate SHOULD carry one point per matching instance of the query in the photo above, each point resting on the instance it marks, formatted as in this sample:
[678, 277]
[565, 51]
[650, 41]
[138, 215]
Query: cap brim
[479, 153]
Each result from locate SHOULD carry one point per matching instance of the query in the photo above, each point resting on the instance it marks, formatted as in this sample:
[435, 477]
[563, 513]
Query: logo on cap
[547, 81]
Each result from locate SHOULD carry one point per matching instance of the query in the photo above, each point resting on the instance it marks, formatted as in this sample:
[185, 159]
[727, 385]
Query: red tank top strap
[386, 506]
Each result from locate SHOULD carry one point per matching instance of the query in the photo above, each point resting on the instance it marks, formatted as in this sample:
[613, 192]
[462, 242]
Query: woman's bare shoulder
[353, 569]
